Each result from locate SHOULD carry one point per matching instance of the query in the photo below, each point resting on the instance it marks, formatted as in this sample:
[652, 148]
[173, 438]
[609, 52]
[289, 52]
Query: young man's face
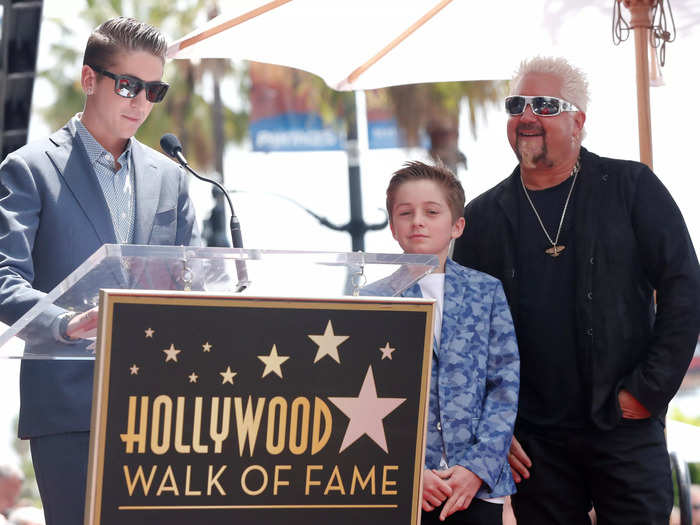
[116, 117]
[421, 220]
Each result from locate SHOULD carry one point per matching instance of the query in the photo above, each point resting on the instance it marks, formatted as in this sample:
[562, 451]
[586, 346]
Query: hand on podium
[83, 325]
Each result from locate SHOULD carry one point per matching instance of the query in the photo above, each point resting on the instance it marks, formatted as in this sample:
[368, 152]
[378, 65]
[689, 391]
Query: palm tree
[435, 109]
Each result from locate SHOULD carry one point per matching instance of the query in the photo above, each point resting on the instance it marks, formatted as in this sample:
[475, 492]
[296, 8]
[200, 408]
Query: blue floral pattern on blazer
[474, 379]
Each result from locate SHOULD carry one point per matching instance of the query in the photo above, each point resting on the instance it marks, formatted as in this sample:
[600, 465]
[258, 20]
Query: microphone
[173, 148]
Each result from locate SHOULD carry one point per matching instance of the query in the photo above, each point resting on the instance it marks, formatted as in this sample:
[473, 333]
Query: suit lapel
[72, 163]
[451, 306]
[147, 178]
[415, 291]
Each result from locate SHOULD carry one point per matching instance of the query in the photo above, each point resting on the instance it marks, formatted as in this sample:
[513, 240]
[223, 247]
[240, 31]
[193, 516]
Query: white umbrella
[368, 44]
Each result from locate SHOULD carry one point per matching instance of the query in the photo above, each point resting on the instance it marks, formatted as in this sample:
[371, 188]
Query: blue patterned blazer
[474, 380]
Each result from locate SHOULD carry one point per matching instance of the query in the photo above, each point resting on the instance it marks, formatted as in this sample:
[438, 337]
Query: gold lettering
[386, 483]
[335, 475]
[215, 480]
[247, 425]
[309, 481]
[189, 492]
[219, 437]
[164, 404]
[170, 478]
[179, 424]
[300, 446]
[197, 430]
[277, 402]
[244, 483]
[278, 482]
[321, 412]
[131, 483]
[363, 483]
[132, 436]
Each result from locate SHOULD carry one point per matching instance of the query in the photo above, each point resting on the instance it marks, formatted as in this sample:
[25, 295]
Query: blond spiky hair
[575, 85]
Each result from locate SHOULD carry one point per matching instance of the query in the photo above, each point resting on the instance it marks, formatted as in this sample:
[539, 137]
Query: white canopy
[423, 40]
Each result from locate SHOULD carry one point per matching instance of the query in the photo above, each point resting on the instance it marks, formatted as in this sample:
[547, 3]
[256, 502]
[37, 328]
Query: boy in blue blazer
[475, 370]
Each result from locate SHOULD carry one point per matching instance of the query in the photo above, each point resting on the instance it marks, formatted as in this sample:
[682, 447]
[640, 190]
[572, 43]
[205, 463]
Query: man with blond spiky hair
[580, 243]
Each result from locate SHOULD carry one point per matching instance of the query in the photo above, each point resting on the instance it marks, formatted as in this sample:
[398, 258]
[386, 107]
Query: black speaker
[19, 41]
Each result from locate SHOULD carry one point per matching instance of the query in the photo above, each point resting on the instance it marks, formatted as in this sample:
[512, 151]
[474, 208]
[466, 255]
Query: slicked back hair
[443, 177]
[120, 35]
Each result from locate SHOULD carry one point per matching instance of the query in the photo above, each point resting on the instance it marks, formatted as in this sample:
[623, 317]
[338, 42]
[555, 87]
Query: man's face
[544, 142]
[118, 117]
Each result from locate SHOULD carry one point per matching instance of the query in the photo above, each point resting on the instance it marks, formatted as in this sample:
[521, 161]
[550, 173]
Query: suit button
[590, 296]
[591, 260]
[439, 426]
[605, 177]
[589, 332]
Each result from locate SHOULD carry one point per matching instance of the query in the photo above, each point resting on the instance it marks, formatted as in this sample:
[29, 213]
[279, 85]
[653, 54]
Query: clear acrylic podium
[215, 271]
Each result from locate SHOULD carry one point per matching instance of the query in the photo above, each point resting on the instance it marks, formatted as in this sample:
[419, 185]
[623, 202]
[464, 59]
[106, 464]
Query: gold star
[171, 353]
[206, 347]
[134, 370]
[328, 343]
[193, 377]
[387, 351]
[228, 376]
[273, 362]
[150, 332]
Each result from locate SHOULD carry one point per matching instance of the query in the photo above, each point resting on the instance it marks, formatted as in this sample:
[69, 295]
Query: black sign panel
[243, 410]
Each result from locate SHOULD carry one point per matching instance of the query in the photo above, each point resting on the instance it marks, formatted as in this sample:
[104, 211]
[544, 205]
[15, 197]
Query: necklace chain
[574, 173]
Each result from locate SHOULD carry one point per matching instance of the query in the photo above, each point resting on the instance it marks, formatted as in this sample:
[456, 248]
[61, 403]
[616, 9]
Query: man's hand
[519, 461]
[631, 408]
[83, 326]
[435, 491]
[464, 484]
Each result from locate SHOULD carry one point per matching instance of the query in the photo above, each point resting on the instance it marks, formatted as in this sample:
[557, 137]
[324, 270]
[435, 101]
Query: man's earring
[89, 91]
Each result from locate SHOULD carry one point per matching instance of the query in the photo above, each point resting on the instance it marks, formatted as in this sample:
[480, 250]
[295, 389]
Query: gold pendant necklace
[556, 248]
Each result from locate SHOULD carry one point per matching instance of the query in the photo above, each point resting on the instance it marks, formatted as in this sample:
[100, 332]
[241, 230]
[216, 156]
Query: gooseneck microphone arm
[171, 145]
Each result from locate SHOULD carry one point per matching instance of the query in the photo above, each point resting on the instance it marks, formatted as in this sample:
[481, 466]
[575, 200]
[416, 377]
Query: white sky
[319, 180]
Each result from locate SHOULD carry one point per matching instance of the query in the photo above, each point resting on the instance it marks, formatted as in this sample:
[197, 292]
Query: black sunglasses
[128, 87]
[542, 106]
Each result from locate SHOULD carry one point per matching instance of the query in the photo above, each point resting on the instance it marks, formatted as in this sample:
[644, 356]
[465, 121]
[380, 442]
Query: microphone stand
[234, 226]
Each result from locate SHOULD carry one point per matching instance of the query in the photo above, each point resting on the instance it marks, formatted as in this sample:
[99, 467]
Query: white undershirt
[433, 286]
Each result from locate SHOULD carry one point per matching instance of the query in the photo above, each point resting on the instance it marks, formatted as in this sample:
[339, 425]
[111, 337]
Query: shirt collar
[93, 148]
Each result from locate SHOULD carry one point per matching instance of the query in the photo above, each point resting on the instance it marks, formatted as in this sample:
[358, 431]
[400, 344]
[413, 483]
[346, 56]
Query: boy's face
[421, 220]
[116, 117]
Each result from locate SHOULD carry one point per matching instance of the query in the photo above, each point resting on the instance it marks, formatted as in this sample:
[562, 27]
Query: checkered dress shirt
[117, 186]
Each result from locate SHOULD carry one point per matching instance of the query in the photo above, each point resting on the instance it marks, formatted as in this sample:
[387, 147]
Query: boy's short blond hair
[443, 177]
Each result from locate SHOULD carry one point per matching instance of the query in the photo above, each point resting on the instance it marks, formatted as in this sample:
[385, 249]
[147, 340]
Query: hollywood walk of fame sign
[249, 410]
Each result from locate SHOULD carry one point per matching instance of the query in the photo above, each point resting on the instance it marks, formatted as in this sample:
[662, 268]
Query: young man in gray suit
[61, 198]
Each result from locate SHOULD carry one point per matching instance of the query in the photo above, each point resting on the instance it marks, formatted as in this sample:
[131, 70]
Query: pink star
[366, 412]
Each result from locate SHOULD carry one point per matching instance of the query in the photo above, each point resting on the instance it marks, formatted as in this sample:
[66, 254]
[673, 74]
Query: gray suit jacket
[53, 215]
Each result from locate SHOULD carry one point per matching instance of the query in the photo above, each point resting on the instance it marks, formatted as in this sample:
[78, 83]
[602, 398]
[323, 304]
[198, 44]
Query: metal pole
[640, 21]
[356, 226]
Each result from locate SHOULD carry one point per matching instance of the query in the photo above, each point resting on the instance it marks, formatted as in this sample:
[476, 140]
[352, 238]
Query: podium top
[217, 270]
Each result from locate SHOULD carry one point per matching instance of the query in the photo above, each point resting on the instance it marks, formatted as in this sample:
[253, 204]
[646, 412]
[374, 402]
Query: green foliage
[677, 415]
